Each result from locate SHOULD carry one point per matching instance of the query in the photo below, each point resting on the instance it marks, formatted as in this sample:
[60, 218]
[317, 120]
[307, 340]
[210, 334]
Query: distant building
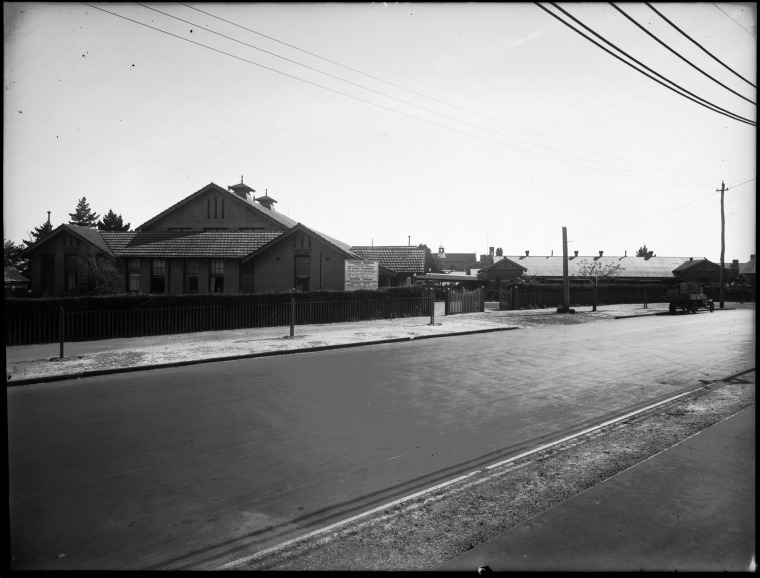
[16, 285]
[457, 261]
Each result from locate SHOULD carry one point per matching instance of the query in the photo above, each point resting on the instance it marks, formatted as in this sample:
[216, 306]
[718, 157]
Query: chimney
[752, 257]
[527, 253]
[576, 253]
[736, 261]
[626, 253]
[601, 253]
[691, 259]
[490, 251]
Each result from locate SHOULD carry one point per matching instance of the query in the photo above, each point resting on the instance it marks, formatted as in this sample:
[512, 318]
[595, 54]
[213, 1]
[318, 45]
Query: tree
[99, 276]
[39, 233]
[644, 252]
[432, 263]
[596, 271]
[499, 252]
[112, 222]
[12, 257]
[83, 216]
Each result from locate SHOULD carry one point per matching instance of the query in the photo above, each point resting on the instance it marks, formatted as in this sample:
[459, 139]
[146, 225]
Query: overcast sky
[467, 125]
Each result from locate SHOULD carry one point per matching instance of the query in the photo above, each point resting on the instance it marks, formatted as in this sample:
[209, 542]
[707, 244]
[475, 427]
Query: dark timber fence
[465, 301]
[550, 295]
[32, 321]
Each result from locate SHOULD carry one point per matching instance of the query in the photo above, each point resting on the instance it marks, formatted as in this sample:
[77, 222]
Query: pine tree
[642, 252]
[112, 222]
[39, 233]
[83, 216]
[12, 257]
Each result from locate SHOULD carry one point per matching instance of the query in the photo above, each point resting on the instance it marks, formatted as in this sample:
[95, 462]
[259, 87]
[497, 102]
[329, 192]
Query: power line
[370, 102]
[704, 103]
[392, 97]
[660, 213]
[646, 218]
[698, 44]
[727, 14]
[430, 97]
[679, 56]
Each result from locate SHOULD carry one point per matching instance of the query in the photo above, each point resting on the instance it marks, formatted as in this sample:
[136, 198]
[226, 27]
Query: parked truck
[689, 297]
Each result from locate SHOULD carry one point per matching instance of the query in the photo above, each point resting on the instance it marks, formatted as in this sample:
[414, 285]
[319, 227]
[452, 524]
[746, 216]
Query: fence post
[447, 301]
[596, 284]
[60, 328]
[645, 299]
[432, 306]
[292, 316]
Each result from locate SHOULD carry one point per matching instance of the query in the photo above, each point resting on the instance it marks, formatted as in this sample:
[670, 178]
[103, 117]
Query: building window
[217, 276]
[48, 272]
[301, 267]
[158, 276]
[133, 275]
[71, 267]
[191, 276]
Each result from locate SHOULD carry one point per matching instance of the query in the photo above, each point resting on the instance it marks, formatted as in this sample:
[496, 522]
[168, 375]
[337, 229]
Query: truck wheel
[712, 307]
[672, 307]
[694, 307]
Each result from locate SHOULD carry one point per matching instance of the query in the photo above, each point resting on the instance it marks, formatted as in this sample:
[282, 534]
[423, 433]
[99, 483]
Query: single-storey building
[649, 269]
[214, 240]
[399, 265]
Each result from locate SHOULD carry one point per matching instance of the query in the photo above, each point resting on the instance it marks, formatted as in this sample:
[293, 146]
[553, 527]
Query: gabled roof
[693, 263]
[187, 244]
[458, 257]
[499, 263]
[90, 236]
[13, 277]
[399, 259]
[273, 215]
[298, 227]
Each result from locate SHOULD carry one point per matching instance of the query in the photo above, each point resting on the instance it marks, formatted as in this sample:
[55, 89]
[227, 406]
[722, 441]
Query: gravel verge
[428, 531]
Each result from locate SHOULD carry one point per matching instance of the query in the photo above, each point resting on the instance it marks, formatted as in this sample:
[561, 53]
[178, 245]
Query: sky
[465, 125]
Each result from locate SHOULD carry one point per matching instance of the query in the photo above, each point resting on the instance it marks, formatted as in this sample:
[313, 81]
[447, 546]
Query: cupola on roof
[266, 200]
[241, 189]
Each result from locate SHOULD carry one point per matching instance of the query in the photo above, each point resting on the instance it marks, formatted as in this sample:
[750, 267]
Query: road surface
[192, 467]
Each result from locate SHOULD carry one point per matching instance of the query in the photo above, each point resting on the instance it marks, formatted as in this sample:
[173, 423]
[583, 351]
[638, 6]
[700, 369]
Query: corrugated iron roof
[400, 259]
[638, 267]
[747, 268]
[188, 244]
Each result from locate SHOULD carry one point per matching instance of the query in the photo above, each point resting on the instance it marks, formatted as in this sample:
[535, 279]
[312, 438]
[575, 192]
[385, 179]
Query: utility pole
[565, 274]
[722, 240]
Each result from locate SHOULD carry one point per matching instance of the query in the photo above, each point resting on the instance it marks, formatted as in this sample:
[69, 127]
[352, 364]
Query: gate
[465, 301]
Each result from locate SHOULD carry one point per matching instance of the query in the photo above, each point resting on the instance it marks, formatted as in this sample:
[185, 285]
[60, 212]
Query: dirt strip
[430, 530]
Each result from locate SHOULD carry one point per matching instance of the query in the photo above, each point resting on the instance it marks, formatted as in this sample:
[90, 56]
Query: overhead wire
[433, 98]
[370, 102]
[393, 97]
[688, 95]
[718, 60]
[658, 214]
[731, 18]
[694, 66]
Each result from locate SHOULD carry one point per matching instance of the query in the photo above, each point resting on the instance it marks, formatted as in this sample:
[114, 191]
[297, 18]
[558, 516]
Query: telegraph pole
[565, 276]
[722, 240]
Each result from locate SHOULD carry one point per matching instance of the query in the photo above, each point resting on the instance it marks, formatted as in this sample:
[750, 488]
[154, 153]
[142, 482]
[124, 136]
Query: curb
[100, 372]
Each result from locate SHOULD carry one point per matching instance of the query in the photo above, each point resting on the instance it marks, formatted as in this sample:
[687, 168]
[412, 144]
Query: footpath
[689, 508]
[27, 364]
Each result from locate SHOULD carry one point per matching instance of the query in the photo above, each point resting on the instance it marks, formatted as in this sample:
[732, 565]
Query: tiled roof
[168, 244]
[689, 263]
[92, 236]
[637, 267]
[747, 268]
[459, 257]
[396, 258]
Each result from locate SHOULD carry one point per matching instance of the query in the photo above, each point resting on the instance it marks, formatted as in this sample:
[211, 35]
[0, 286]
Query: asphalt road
[195, 466]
